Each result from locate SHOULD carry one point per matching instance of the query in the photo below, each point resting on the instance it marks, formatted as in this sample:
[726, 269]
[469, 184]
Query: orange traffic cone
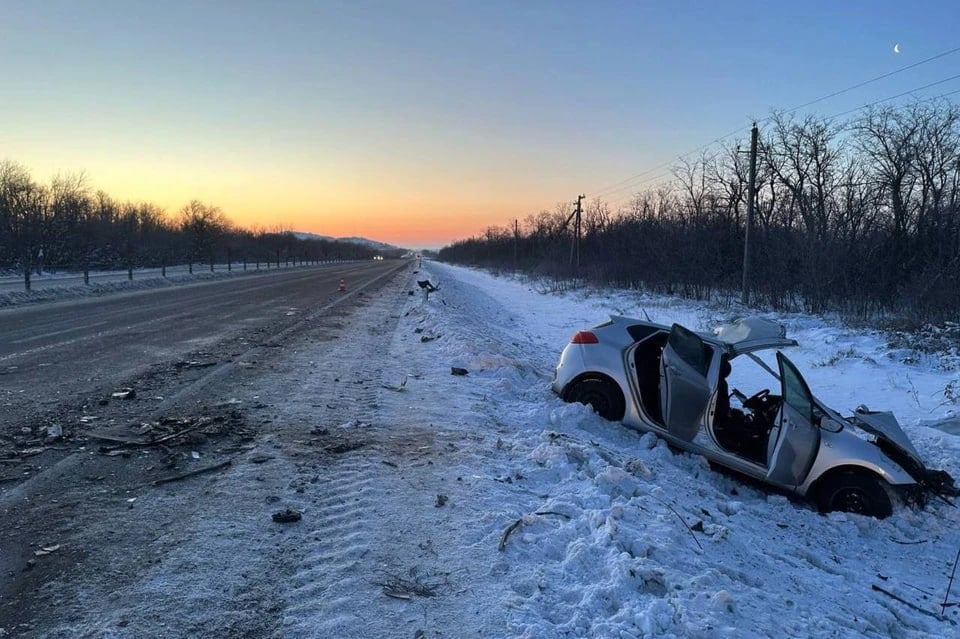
[343, 287]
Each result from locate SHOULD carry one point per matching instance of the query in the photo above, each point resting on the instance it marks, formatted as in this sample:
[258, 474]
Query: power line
[634, 184]
[871, 80]
[899, 95]
[612, 188]
[619, 186]
[654, 179]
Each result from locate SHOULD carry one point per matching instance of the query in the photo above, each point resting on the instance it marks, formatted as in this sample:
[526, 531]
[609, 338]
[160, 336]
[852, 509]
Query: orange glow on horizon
[332, 202]
[394, 217]
[406, 224]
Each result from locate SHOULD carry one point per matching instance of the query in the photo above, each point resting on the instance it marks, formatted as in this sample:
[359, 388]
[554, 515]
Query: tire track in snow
[328, 578]
[332, 574]
[376, 515]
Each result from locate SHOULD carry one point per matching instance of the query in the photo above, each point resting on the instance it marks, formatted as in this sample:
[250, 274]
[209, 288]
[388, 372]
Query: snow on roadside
[67, 286]
[619, 537]
[47, 292]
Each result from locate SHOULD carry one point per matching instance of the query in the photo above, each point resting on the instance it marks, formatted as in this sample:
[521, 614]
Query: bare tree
[24, 205]
[204, 226]
[888, 137]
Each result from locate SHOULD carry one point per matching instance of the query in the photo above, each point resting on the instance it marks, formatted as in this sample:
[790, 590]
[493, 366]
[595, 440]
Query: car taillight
[584, 337]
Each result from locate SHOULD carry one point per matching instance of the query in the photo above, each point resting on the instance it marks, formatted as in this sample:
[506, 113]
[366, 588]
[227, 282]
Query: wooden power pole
[575, 248]
[516, 241]
[751, 196]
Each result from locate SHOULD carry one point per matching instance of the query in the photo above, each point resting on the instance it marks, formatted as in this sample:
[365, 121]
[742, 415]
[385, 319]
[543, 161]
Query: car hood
[884, 425]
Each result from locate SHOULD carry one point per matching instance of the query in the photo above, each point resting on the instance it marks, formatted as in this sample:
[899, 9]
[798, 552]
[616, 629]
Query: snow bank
[617, 536]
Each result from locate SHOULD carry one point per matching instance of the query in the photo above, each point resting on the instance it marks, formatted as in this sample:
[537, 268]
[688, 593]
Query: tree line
[858, 216]
[65, 224]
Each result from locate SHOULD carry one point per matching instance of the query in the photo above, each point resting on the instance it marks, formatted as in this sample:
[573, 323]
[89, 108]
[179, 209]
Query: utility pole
[751, 196]
[579, 226]
[575, 244]
[516, 241]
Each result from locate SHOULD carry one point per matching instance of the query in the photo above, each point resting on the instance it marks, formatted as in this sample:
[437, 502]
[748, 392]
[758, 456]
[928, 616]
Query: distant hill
[380, 246]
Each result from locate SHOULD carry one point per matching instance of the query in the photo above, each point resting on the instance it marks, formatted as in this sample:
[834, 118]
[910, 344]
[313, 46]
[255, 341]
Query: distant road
[55, 352]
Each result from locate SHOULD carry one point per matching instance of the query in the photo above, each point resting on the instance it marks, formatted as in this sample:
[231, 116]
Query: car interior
[741, 424]
[744, 431]
[647, 360]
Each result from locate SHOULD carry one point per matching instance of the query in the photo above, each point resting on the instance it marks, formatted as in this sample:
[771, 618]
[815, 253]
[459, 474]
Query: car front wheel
[855, 492]
[601, 395]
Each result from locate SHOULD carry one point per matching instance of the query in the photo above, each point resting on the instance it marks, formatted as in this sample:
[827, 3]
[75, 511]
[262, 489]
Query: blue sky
[423, 120]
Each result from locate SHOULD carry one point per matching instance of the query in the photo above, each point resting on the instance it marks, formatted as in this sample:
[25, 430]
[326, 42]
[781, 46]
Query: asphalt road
[62, 353]
[215, 366]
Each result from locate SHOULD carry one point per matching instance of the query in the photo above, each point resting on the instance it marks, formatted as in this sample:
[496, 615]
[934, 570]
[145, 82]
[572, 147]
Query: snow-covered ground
[609, 556]
[437, 505]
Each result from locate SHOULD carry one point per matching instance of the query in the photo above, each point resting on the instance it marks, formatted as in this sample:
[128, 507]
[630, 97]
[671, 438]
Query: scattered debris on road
[456, 370]
[399, 587]
[427, 286]
[192, 473]
[124, 393]
[54, 432]
[46, 550]
[172, 430]
[27, 452]
[526, 519]
[181, 365]
[287, 516]
[398, 388]
[344, 447]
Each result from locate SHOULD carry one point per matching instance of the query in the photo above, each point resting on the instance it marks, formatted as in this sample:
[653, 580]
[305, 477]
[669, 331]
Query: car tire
[854, 492]
[600, 394]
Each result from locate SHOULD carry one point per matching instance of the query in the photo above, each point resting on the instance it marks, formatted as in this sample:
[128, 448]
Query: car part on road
[287, 516]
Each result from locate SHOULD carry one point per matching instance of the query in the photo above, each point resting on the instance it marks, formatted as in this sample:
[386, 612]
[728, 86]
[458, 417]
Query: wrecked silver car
[674, 382]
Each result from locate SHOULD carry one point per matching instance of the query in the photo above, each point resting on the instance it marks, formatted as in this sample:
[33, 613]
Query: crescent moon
[896, 48]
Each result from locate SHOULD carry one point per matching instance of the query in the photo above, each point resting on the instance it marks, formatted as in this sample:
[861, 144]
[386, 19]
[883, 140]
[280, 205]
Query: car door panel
[684, 389]
[797, 436]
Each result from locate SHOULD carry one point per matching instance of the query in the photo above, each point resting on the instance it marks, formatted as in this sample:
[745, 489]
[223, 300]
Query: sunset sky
[415, 122]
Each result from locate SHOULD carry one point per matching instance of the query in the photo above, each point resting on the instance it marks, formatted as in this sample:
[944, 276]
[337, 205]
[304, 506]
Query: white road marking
[54, 333]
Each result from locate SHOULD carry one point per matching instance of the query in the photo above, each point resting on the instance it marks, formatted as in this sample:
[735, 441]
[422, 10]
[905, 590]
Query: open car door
[684, 389]
[795, 438]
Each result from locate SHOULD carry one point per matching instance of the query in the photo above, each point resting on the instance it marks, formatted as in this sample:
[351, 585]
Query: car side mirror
[823, 421]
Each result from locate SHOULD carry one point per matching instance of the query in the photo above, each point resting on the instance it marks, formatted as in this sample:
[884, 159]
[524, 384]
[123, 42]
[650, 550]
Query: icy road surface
[408, 479]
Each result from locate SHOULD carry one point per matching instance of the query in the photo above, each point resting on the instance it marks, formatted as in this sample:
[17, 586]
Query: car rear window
[640, 332]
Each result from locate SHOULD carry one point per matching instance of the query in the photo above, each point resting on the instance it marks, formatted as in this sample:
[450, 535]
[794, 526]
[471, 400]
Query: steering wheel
[756, 401]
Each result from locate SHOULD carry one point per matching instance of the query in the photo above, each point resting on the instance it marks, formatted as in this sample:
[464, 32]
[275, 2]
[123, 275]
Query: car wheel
[601, 395]
[855, 492]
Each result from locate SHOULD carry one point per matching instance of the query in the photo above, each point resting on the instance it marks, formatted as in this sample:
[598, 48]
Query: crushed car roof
[752, 333]
[738, 337]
